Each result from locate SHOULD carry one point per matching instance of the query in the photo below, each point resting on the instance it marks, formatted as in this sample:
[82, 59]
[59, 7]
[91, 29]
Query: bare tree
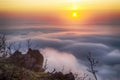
[81, 77]
[9, 48]
[63, 68]
[45, 65]
[54, 70]
[29, 43]
[15, 46]
[84, 76]
[92, 64]
[3, 45]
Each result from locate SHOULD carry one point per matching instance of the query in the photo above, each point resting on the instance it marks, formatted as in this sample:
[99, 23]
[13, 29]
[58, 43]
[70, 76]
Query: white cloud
[114, 53]
[57, 60]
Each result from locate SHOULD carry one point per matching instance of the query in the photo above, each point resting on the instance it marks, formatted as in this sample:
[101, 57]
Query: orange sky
[41, 5]
[60, 10]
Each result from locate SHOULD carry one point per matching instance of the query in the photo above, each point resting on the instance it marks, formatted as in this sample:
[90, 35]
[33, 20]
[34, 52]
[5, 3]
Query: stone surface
[32, 60]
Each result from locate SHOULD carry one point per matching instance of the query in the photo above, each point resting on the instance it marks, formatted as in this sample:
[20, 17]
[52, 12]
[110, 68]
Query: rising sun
[74, 14]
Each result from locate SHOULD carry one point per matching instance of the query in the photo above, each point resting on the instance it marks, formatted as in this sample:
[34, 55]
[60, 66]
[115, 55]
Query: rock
[17, 54]
[17, 58]
[61, 76]
[70, 76]
[1, 74]
[32, 60]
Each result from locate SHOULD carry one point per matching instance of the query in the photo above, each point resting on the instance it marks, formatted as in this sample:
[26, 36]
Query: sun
[74, 14]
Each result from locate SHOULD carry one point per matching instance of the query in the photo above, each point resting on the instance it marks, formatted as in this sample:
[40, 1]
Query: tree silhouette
[92, 64]
[3, 45]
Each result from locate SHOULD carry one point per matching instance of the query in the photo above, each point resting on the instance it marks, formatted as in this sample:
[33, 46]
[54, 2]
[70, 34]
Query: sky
[56, 4]
[65, 31]
[61, 11]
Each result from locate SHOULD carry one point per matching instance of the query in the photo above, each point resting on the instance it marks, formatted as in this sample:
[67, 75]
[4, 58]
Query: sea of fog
[68, 46]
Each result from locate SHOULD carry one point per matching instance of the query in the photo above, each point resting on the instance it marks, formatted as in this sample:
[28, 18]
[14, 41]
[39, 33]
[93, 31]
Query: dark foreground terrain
[28, 67]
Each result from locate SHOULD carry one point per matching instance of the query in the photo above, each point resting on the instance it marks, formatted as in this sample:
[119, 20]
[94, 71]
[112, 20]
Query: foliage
[9, 71]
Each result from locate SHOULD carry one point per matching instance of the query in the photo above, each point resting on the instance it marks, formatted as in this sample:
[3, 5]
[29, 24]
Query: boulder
[32, 60]
[70, 76]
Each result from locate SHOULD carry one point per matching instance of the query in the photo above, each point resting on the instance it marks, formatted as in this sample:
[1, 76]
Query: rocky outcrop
[32, 60]
[61, 76]
[28, 67]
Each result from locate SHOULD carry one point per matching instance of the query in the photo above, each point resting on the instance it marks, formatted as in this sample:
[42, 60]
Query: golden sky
[59, 10]
[39, 5]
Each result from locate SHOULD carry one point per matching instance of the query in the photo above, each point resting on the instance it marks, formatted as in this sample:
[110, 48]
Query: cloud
[69, 49]
[57, 60]
[112, 58]
[9, 20]
[108, 18]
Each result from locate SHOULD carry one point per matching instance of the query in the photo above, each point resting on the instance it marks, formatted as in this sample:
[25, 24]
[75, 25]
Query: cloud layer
[69, 48]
